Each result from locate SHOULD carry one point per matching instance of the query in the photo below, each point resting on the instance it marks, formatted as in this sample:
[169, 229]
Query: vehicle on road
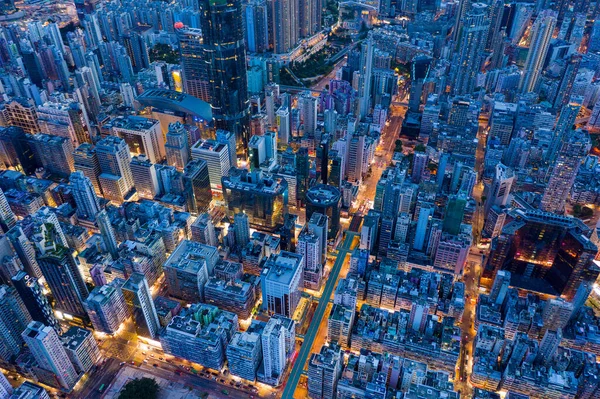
[101, 388]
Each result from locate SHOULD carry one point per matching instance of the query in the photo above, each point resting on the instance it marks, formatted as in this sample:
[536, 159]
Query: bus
[101, 389]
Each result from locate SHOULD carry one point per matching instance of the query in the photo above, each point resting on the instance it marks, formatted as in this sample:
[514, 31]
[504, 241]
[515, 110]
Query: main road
[343, 250]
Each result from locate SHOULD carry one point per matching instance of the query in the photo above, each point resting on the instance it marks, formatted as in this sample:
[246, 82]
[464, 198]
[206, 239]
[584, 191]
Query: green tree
[398, 144]
[419, 148]
[146, 388]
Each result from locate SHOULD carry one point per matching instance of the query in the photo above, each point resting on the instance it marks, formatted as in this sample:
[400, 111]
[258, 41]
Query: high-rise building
[257, 26]
[116, 179]
[572, 151]
[14, 319]
[188, 268]
[280, 283]
[273, 351]
[262, 196]
[196, 186]
[194, 63]
[470, 54]
[216, 156]
[86, 161]
[106, 308]
[541, 34]
[284, 25]
[139, 299]
[54, 153]
[47, 349]
[108, 234]
[548, 346]
[34, 300]
[177, 146]
[324, 371]
[144, 177]
[309, 17]
[500, 189]
[142, 136]
[203, 230]
[244, 353]
[6, 389]
[226, 55]
[241, 229]
[81, 348]
[326, 200]
[284, 126]
[309, 246]
[29, 390]
[84, 195]
[7, 218]
[555, 315]
[500, 287]
[318, 225]
[14, 150]
[544, 252]
[425, 215]
[200, 334]
[60, 269]
[25, 251]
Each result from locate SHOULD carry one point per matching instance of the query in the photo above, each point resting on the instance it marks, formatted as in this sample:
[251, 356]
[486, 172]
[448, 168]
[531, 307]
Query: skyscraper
[34, 300]
[274, 351]
[284, 24]
[324, 371]
[500, 287]
[7, 218]
[86, 161]
[60, 268]
[471, 50]
[541, 34]
[203, 230]
[84, 195]
[500, 188]
[14, 318]
[196, 186]
[106, 307]
[257, 26]
[108, 234]
[139, 299]
[49, 353]
[177, 146]
[223, 34]
[280, 281]
[116, 178]
[144, 177]
[572, 151]
[194, 63]
[241, 228]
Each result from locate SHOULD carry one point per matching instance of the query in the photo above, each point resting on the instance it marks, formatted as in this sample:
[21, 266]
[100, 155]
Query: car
[154, 365]
[132, 362]
[222, 381]
[143, 353]
[160, 358]
[122, 364]
[232, 383]
[144, 361]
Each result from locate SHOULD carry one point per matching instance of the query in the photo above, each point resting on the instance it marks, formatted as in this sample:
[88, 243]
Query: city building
[142, 136]
[188, 268]
[261, 196]
[177, 146]
[139, 300]
[200, 334]
[84, 195]
[81, 348]
[47, 349]
[34, 300]
[14, 320]
[106, 308]
[326, 200]
[324, 372]
[116, 179]
[216, 156]
[280, 280]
